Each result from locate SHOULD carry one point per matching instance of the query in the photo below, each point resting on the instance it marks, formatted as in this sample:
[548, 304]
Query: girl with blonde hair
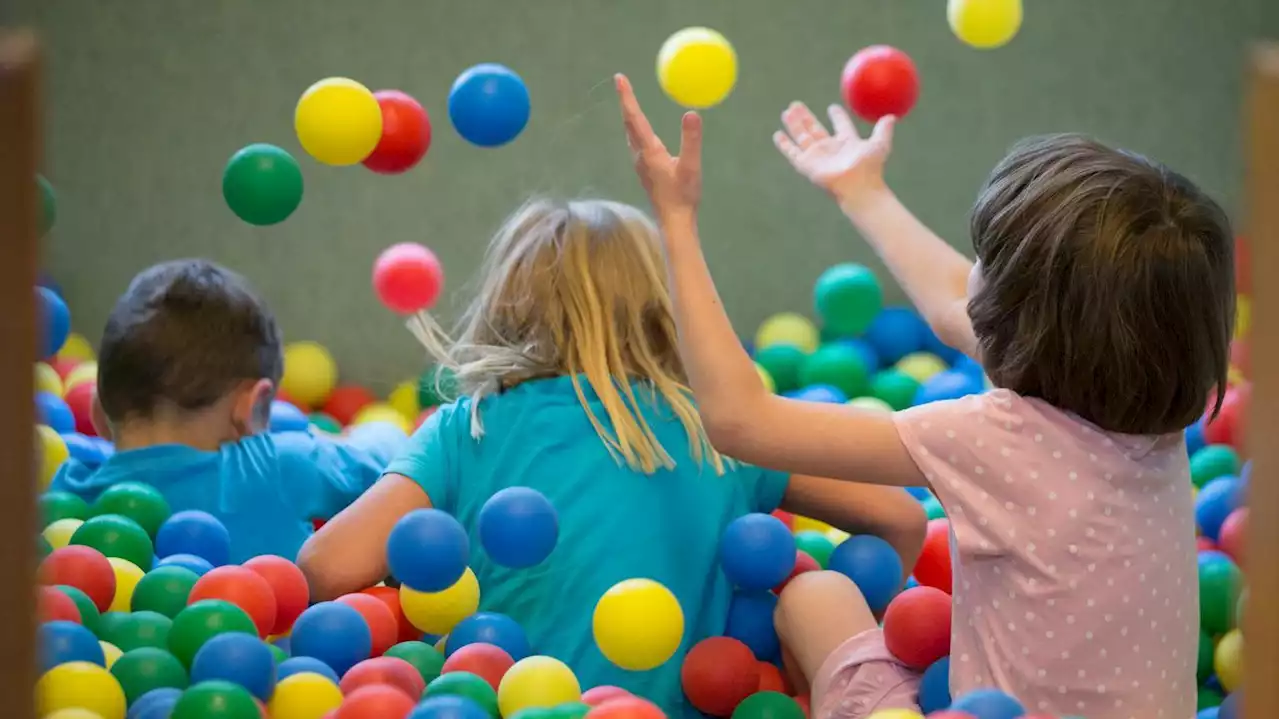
[569, 382]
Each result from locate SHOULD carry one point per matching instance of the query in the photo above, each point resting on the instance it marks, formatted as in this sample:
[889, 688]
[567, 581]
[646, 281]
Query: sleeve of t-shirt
[767, 488]
[430, 454]
[320, 475]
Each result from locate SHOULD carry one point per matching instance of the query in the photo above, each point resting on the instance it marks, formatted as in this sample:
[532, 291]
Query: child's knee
[813, 595]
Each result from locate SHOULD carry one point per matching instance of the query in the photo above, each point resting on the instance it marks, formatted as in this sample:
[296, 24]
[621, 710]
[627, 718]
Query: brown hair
[1108, 285]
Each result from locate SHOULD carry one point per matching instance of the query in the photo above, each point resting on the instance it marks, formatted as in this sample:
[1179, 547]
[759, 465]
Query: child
[571, 385]
[1101, 308]
[189, 365]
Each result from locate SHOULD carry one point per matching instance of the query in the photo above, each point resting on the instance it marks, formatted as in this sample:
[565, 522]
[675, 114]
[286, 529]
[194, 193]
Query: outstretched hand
[674, 184]
[841, 162]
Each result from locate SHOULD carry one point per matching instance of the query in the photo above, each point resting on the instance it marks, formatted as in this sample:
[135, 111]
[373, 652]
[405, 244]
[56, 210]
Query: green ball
[837, 365]
[146, 668]
[1204, 657]
[1240, 606]
[140, 502]
[43, 548]
[90, 617]
[203, 621]
[164, 590]
[768, 705]
[262, 184]
[933, 508]
[110, 624]
[1207, 698]
[468, 685]
[847, 297]
[1219, 591]
[140, 629]
[816, 545]
[433, 393]
[277, 653]
[783, 363]
[216, 699]
[48, 205]
[324, 423]
[534, 713]
[422, 656]
[569, 710]
[61, 505]
[1216, 460]
[117, 536]
[894, 387]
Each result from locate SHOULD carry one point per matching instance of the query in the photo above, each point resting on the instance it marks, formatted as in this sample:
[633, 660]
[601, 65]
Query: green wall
[148, 98]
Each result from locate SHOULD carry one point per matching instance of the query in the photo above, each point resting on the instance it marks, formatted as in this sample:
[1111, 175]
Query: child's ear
[252, 409]
[99, 419]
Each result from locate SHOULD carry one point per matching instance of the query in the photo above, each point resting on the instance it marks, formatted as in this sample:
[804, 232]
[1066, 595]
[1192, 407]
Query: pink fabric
[1075, 583]
[861, 677]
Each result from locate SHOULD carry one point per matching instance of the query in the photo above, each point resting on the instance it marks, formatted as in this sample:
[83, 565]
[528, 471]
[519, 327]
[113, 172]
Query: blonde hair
[576, 288]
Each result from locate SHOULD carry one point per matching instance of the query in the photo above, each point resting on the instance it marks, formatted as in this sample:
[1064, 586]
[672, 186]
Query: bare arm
[887, 512]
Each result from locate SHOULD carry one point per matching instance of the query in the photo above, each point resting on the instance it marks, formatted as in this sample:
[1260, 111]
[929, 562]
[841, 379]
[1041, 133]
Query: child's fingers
[786, 146]
[841, 123]
[639, 132]
[691, 142]
[803, 127]
[882, 133]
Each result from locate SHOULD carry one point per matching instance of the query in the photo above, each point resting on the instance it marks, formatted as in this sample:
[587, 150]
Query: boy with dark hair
[188, 368]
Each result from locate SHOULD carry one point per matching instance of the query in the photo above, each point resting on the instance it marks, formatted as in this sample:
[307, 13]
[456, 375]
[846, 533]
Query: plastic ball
[145, 669]
[155, 704]
[638, 624]
[768, 705]
[895, 333]
[334, 633]
[140, 502]
[1233, 536]
[52, 453]
[491, 628]
[77, 347]
[1227, 427]
[288, 585]
[757, 551]
[489, 105]
[305, 695]
[128, 575]
[448, 707]
[804, 563]
[935, 686]
[816, 545]
[407, 278]
[324, 423]
[285, 417]
[518, 527]
[1228, 660]
[537, 681]
[55, 321]
[436, 386]
[626, 707]
[116, 536]
[110, 653]
[406, 134]
[58, 534]
[61, 505]
[766, 379]
[1214, 503]
[80, 685]
[383, 630]
[847, 297]
[54, 413]
[54, 606]
[262, 184]
[947, 385]
[717, 674]
[597, 695]
[309, 373]
[1215, 460]
[770, 678]
[989, 704]
[697, 68]
[375, 702]
[79, 398]
[468, 686]
[917, 626]
[873, 565]
[78, 373]
[338, 121]
[85, 569]
[203, 621]
[984, 24]
[486, 661]
[242, 587]
[345, 401]
[390, 596]
[1230, 707]
[388, 671]
[921, 366]
[878, 81]
[47, 379]
[837, 365]
[60, 642]
[933, 568]
[241, 659]
[1219, 590]
[136, 630]
[215, 700]
[933, 508]
[194, 532]
[300, 665]
[404, 399]
[781, 363]
[199, 565]
[786, 328]
[750, 621]
[428, 550]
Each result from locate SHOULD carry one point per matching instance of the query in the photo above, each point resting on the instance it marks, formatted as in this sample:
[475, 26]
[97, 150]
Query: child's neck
[198, 433]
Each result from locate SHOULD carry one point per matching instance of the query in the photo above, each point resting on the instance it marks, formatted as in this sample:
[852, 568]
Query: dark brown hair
[1108, 285]
[184, 334]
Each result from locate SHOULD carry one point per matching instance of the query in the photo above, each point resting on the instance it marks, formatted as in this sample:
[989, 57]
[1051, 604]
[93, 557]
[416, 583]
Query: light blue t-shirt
[266, 488]
[615, 523]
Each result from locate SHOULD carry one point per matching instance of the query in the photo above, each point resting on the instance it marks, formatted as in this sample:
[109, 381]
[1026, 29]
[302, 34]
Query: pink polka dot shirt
[1075, 585]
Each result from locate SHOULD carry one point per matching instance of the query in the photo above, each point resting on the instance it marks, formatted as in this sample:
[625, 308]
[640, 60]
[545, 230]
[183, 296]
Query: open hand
[844, 163]
[674, 184]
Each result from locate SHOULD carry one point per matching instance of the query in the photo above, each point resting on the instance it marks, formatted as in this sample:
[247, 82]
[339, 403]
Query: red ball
[1227, 427]
[1240, 355]
[391, 598]
[878, 81]
[381, 621]
[346, 401]
[933, 568]
[1204, 544]
[771, 679]
[56, 606]
[785, 517]
[406, 134]
[84, 568]
[626, 707]
[64, 365]
[288, 585]
[804, 563]
[596, 696]
[917, 626]
[375, 702]
[803, 701]
[388, 671]
[408, 278]
[484, 660]
[242, 587]
[718, 673]
[80, 399]
[1234, 535]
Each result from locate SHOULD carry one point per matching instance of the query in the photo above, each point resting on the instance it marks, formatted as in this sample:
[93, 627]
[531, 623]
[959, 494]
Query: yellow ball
[766, 379]
[1228, 660]
[338, 121]
[638, 624]
[1244, 317]
[896, 714]
[304, 695]
[984, 24]
[382, 412]
[537, 682]
[47, 379]
[58, 534]
[127, 577]
[80, 685]
[836, 536]
[309, 373]
[801, 524]
[73, 714]
[697, 67]
[77, 348]
[438, 612]
[111, 652]
[788, 328]
[51, 452]
[920, 366]
[84, 372]
[872, 403]
[404, 399]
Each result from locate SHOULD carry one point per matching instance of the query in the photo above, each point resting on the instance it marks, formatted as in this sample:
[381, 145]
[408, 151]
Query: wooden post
[1263, 235]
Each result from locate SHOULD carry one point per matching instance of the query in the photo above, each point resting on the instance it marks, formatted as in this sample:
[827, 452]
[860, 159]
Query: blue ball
[1195, 437]
[194, 532]
[428, 550]
[1215, 502]
[449, 706]
[751, 622]
[287, 418]
[199, 565]
[155, 704]
[911, 583]
[1230, 707]
[948, 384]
[970, 368]
[52, 411]
[84, 450]
[283, 644]
[1209, 713]
[932, 343]
[44, 279]
[895, 333]
[241, 659]
[518, 528]
[935, 686]
[333, 633]
[818, 393]
[489, 105]
[989, 704]
[489, 628]
[870, 358]
[298, 665]
[873, 565]
[757, 551]
[920, 493]
[55, 321]
[62, 642]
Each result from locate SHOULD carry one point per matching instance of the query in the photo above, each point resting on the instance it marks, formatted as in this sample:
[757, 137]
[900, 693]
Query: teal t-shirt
[615, 523]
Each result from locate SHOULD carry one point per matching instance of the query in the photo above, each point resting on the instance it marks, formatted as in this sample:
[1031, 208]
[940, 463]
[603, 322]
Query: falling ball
[879, 81]
[406, 134]
[984, 24]
[518, 527]
[638, 624]
[489, 105]
[847, 297]
[407, 278]
[338, 121]
[262, 184]
[697, 67]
